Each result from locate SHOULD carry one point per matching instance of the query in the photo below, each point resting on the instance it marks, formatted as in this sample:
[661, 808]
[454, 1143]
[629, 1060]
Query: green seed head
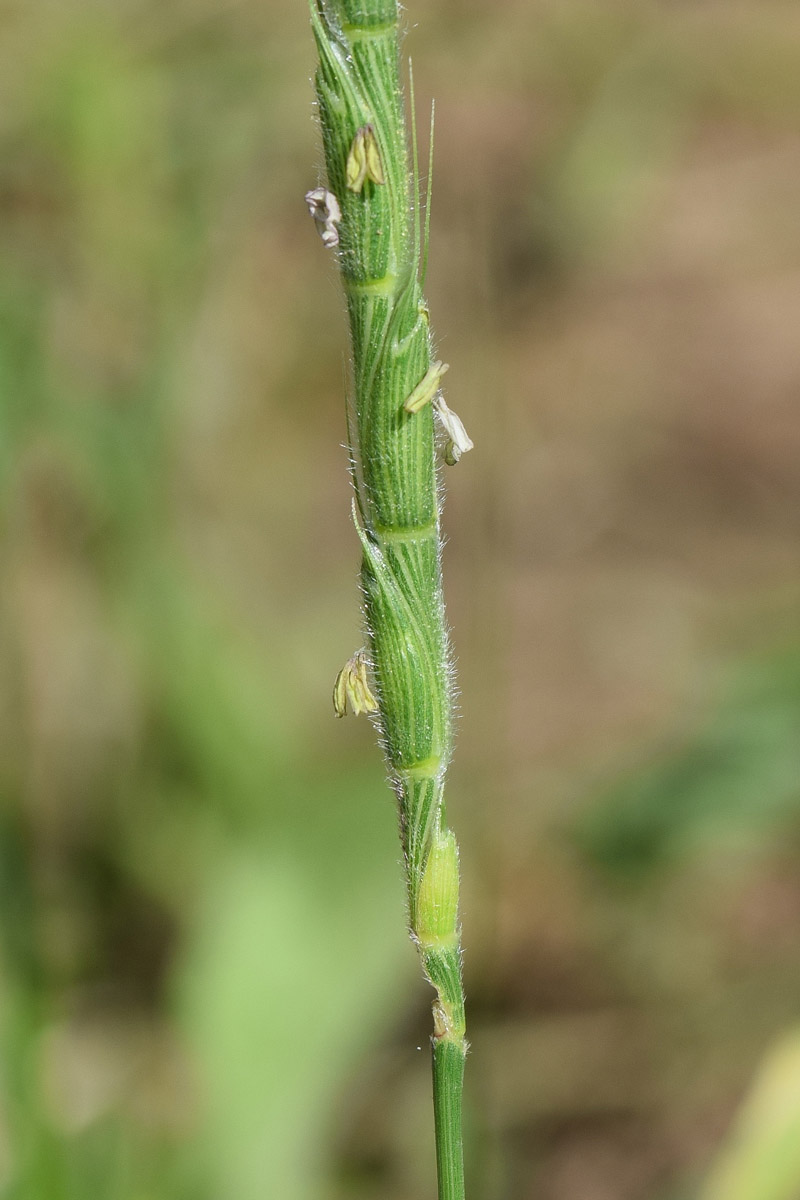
[371, 206]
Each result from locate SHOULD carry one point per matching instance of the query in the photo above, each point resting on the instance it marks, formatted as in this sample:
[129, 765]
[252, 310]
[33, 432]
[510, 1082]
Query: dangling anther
[324, 208]
[458, 440]
[352, 688]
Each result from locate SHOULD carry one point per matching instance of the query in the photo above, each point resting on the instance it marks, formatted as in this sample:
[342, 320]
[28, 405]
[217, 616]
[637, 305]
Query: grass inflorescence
[370, 213]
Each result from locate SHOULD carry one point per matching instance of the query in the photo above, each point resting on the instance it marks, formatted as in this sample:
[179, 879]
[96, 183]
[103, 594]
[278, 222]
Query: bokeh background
[206, 991]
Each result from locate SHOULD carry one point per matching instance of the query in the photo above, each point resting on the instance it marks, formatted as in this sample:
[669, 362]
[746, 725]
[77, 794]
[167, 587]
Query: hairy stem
[372, 210]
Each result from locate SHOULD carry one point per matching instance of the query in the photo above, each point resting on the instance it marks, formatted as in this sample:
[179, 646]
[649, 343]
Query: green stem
[448, 1082]
[375, 209]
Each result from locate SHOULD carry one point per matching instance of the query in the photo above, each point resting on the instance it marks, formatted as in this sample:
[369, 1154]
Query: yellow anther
[427, 387]
[352, 688]
[364, 160]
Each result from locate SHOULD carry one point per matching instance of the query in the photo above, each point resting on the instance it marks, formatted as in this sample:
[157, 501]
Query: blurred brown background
[206, 992]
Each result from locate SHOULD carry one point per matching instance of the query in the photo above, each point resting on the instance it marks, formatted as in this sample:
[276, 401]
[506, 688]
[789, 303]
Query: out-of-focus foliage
[763, 1160]
[205, 988]
[735, 786]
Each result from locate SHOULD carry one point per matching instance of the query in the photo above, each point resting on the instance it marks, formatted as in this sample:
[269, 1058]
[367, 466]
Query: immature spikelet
[437, 907]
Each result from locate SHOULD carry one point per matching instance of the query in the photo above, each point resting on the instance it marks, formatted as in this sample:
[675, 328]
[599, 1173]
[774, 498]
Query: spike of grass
[397, 494]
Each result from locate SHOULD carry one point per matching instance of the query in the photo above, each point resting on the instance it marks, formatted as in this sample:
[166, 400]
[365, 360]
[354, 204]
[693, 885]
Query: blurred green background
[206, 991]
